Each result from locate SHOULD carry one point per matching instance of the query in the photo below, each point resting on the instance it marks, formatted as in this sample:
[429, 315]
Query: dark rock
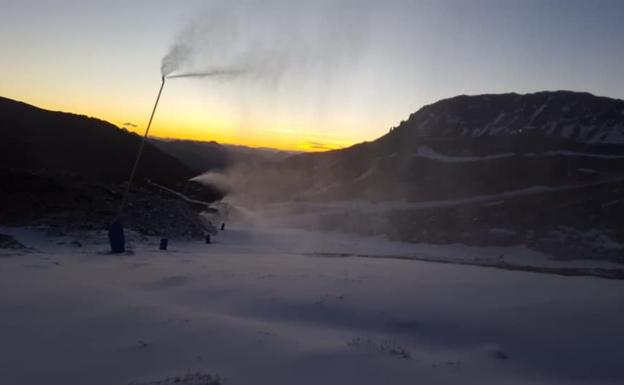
[8, 242]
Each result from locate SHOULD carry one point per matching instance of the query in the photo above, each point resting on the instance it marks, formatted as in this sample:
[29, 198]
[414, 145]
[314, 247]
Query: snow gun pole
[115, 232]
[139, 153]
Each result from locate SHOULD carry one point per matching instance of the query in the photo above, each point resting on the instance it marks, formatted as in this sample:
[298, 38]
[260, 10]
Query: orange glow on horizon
[252, 137]
[189, 125]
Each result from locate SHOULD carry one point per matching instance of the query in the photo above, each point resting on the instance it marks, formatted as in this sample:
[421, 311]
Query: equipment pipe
[139, 153]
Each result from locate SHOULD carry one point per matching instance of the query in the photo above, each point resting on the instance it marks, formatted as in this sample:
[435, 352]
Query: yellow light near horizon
[226, 132]
[179, 120]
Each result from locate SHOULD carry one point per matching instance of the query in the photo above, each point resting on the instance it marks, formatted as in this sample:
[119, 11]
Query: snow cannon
[116, 237]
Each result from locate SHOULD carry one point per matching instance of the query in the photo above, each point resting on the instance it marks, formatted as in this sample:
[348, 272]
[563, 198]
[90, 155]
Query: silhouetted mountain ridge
[41, 140]
[209, 156]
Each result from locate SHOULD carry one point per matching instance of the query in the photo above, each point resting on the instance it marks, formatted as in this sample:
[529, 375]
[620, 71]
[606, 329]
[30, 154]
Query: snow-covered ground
[264, 308]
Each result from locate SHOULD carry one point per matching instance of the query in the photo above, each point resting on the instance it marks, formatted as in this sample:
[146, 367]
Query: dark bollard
[163, 243]
[116, 237]
[222, 226]
[207, 238]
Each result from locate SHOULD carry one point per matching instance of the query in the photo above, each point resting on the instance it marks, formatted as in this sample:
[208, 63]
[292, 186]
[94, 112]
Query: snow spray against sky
[267, 40]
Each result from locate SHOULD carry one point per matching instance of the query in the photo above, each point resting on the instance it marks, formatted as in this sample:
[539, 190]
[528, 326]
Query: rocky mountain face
[578, 117]
[64, 203]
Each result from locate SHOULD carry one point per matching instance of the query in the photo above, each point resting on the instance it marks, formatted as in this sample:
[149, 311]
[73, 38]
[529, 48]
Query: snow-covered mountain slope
[580, 117]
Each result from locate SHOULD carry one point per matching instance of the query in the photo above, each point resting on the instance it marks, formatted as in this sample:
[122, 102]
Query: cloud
[130, 124]
[314, 145]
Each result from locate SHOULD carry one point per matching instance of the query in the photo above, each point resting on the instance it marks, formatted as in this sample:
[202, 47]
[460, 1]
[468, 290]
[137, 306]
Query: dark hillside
[39, 140]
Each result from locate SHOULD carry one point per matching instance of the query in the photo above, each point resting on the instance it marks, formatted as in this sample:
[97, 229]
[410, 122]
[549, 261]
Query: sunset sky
[319, 75]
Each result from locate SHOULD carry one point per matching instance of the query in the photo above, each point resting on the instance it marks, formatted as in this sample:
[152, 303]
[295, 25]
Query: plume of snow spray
[266, 41]
[178, 54]
[225, 72]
